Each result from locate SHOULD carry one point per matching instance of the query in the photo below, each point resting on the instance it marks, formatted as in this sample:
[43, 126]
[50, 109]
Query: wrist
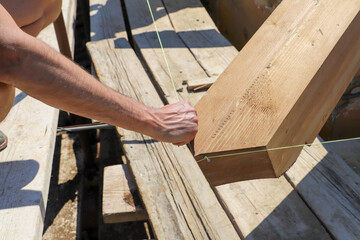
[153, 124]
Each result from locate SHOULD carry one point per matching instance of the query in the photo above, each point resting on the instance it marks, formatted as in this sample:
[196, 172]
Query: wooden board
[349, 151]
[25, 166]
[119, 191]
[177, 197]
[330, 188]
[270, 209]
[179, 201]
[199, 33]
[146, 42]
[269, 95]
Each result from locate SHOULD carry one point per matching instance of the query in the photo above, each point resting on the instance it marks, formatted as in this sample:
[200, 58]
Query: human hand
[176, 123]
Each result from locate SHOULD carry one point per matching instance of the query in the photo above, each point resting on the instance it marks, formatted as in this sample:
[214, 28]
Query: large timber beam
[279, 90]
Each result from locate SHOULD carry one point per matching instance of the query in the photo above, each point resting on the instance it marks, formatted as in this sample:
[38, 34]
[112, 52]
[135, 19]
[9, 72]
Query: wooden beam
[120, 197]
[279, 90]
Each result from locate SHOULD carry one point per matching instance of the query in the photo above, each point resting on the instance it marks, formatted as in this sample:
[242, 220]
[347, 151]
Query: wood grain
[270, 209]
[277, 90]
[330, 188]
[182, 63]
[197, 84]
[199, 33]
[119, 196]
[275, 192]
[176, 195]
[179, 201]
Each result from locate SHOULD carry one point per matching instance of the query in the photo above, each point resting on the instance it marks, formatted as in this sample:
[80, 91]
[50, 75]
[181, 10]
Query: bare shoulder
[6, 21]
[28, 12]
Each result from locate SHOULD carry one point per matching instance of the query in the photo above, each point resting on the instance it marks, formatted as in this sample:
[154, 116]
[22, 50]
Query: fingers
[179, 123]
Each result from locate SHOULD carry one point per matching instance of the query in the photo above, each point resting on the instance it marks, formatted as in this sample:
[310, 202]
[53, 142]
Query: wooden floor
[317, 198]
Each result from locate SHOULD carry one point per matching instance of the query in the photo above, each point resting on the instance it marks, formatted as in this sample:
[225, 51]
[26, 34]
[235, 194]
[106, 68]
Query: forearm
[48, 76]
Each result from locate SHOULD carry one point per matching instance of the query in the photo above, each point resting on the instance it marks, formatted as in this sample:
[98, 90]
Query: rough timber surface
[253, 214]
[279, 90]
[270, 209]
[179, 201]
[177, 197]
[262, 209]
[331, 189]
[25, 165]
[119, 203]
[349, 152]
[196, 28]
[182, 63]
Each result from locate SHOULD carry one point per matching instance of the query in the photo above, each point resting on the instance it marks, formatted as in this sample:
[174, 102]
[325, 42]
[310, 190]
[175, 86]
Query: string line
[240, 153]
[277, 148]
[163, 51]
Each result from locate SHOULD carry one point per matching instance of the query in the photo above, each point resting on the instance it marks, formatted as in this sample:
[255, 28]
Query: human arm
[41, 72]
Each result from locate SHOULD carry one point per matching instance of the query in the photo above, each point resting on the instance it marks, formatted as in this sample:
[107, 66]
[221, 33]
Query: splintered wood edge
[197, 84]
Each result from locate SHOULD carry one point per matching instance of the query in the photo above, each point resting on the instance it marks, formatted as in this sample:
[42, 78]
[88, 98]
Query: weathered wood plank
[269, 97]
[179, 201]
[25, 165]
[106, 19]
[270, 209]
[330, 188]
[177, 197]
[349, 151]
[182, 63]
[199, 33]
[119, 191]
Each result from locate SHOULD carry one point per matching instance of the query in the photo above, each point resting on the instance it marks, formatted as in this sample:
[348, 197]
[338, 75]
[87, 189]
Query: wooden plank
[146, 41]
[25, 165]
[199, 33]
[204, 83]
[179, 201]
[102, 13]
[330, 188]
[177, 197]
[119, 196]
[349, 151]
[270, 209]
[269, 95]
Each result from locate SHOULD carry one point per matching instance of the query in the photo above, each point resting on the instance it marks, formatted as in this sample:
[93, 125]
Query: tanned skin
[32, 66]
